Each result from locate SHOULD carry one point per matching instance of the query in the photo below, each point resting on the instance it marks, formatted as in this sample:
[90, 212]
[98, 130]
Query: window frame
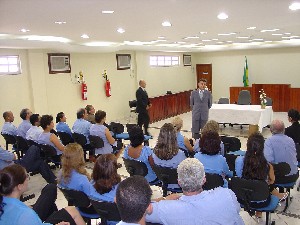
[164, 60]
[8, 64]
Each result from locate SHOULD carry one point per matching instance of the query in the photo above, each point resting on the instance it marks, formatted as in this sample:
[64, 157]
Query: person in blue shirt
[137, 151]
[13, 183]
[61, 125]
[81, 125]
[209, 156]
[25, 125]
[8, 127]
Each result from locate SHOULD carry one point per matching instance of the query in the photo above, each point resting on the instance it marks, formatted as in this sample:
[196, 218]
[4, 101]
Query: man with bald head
[8, 127]
[281, 148]
[142, 106]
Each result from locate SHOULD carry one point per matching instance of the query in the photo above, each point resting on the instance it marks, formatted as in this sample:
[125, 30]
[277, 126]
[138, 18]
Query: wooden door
[205, 71]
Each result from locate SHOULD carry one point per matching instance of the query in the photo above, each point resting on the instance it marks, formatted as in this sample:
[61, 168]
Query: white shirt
[33, 133]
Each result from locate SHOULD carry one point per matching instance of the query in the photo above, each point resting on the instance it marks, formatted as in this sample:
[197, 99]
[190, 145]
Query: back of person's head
[211, 125]
[80, 113]
[133, 198]
[10, 177]
[294, 115]
[99, 115]
[166, 147]
[277, 127]
[6, 115]
[177, 123]
[191, 175]
[105, 173]
[46, 121]
[255, 163]
[210, 143]
[23, 113]
[136, 136]
[59, 116]
[72, 159]
[34, 118]
[89, 108]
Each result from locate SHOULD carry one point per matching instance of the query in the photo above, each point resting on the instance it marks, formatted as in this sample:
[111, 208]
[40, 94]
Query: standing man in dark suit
[200, 102]
[142, 106]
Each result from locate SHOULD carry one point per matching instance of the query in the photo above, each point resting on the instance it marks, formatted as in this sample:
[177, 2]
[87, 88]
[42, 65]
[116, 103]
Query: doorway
[205, 71]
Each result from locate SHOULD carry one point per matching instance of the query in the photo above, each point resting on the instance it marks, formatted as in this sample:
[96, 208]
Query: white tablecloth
[241, 114]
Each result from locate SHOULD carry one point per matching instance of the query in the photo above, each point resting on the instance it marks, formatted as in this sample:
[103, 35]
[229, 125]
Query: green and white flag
[245, 77]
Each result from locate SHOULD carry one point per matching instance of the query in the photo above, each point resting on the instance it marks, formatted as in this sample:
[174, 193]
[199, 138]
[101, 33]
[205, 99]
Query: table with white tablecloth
[241, 114]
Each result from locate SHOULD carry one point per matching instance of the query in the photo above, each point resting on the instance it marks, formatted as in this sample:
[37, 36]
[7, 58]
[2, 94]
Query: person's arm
[191, 100]
[169, 197]
[239, 164]
[226, 168]
[209, 100]
[271, 178]
[6, 155]
[188, 144]
[109, 137]
[140, 99]
[56, 142]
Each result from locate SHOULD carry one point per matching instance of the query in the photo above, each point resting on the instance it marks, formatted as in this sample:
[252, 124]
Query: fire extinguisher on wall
[84, 91]
[107, 88]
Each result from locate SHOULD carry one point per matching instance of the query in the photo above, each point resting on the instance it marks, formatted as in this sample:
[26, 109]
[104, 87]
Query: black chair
[129, 126]
[213, 181]
[108, 211]
[116, 128]
[22, 146]
[244, 98]
[9, 140]
[167, 176]
[135, 167]
[223, 101]
[81, 140]
[254, 195]
[231, 144]
[230, 159]
[31, 142]
[95, 142]
[65, 138]
[81, 201]
[269, 101]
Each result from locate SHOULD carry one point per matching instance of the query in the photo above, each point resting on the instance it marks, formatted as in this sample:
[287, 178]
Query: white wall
[266, 66]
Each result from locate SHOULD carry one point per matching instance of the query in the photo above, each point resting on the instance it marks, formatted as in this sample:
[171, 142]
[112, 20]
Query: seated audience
[293, 131]
[211, 125]
[34, 132]
[90, 114]
[137, 151]
[13, 183]
[209, 155]
[195, 206]
[8, 127]
[25, 125]
[31, 161]
[183, 142]
[61, 125]
[99, 129]
[281, 148]
[81, 125]
[48, 138]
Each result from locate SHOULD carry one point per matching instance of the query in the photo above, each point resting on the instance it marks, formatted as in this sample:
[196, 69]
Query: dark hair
[59, 116]
[133, 198]
[46, 121]
[136, 136]
[255, 164]
[6, 114]
[202, 79]
[10, 177]
[99, 115]
[23, 113]
[210, 143]
[105, 173]
[34, 118]
[294, 114]
[88, 108]
[80, 113]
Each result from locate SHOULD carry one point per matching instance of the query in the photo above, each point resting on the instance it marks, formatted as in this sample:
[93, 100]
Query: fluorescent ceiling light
[203, 32]
[191, 37]
[251, 28]
[227, 34]
[206, 40]
[99, 44]
[60, 22]
[270, 30]
[294, 6]
[161, 37]
[46, 38]
[121, 30]
[222, 16]
[277, 34]
[85, 36]
[215, 39]
[108, 11]
[24, 30]
[257, 39]
[242, 37]
[166, 24]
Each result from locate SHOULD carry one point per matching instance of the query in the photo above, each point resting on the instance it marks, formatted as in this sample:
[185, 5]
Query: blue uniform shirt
[82, 126]
[63, 127]
[9, 128]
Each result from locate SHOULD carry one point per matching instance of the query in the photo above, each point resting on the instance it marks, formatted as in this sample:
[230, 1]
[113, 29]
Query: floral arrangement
[263, 98]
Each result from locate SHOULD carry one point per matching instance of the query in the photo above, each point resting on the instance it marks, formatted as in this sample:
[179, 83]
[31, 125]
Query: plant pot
[262, 106]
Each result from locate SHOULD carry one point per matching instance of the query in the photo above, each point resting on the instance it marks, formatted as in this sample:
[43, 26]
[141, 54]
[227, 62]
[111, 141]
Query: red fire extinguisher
[107, 88]
[84, 91]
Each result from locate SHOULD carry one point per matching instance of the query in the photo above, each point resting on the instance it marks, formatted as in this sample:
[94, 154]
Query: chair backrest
[48, 150]
[116, 128]
[108, 211]
[21, 144]
[213, 181]
[230, 159]
[298, 151]
[96, 141]
[65, 138]
[9, 139]
[79, 139]
[281, 169]
[31, 142]
[231, 144]
[132, 104]
[135, 167]
[269, 101]
[244, 98]
[75, 198]
[129, 126]
[166, 174]
[223, 101]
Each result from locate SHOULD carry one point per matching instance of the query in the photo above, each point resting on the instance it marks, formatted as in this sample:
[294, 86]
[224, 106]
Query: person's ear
[149, 209]
[115, 199]
[203, 181]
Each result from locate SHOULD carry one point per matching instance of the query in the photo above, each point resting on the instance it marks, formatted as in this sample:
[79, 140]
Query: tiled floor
[292, 217]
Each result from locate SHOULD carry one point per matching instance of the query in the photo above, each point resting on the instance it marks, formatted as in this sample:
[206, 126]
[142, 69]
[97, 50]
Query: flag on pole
[245, 77]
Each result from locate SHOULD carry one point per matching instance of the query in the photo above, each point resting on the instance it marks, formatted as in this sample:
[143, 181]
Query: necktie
[201, 95]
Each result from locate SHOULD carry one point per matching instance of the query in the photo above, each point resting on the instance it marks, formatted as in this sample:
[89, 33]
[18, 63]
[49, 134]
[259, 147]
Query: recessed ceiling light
[121, 30]
[242, 37]
[287, 33]
[24, 30]
[271, 30]
[99, 44]
[161, 37]
[257, 39]
[85, 36]
[206, 40]
[191, 37]
[60, 22]
[166, 24]
[215, 39]
[222, 16]
[108, 11]
[251, 28]
[203, 32]
[294, 6]
[277, 34]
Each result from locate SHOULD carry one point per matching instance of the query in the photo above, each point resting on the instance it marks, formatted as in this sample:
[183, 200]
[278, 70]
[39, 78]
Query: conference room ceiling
[194, 25]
